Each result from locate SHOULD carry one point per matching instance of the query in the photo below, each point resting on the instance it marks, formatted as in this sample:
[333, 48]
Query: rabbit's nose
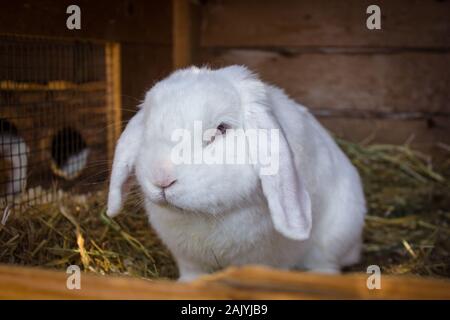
[163, 178]
[165, 183]
[163, 175]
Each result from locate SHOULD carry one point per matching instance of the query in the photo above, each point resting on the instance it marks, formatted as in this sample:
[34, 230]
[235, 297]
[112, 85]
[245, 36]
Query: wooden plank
[113, 96]
[251, 282]
[114, 20]
[403, 82]
[250, 23]
[186, 31]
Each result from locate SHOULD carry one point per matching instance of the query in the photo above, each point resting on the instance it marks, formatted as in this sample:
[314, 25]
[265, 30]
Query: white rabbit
[309, 215]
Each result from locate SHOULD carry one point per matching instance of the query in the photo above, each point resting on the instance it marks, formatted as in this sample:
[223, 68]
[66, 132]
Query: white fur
[309, 216]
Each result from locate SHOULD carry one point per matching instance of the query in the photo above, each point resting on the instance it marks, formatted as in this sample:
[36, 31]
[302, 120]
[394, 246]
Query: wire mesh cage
[59, 116]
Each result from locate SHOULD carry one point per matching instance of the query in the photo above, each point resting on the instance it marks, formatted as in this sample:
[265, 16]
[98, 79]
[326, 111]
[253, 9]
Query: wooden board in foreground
[234, 283]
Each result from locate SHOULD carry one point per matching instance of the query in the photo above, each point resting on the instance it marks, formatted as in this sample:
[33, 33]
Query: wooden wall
[143, 29]
[387, 85]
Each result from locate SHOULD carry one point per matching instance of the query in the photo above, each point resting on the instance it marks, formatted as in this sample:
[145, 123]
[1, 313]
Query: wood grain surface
[252, 282]
[292, 23]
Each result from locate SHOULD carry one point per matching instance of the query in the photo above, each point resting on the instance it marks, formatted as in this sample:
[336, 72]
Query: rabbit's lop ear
[288, 200]
[124, 159]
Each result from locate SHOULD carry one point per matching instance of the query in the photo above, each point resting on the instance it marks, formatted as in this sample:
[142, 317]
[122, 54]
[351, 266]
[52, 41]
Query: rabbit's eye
[222, 128]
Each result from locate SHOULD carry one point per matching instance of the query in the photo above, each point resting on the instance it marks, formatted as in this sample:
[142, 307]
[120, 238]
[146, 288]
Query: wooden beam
[114, 105]
[324, 23]
[186, 33]
[137, 21]
[252, 282]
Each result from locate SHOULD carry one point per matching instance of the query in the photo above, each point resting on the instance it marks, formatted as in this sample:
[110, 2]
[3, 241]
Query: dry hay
[407, 230]
[76, 230]
[408, 227]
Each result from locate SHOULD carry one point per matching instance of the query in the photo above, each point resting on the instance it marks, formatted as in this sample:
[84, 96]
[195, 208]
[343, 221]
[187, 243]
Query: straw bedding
[407, 229]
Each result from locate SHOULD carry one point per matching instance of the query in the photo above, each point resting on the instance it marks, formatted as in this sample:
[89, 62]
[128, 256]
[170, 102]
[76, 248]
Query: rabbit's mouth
[160, 201]
[163, 201]
[160, 198]
[171, 198]
[156, 195]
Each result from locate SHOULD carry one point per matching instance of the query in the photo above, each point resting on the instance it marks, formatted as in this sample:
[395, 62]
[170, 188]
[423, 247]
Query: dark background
[385, 85]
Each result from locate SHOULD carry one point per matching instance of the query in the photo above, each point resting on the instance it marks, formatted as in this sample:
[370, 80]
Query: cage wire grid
[53, 118]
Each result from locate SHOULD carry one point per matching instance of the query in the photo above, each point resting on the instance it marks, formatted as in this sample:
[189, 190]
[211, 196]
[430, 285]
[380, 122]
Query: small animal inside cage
[59, 116]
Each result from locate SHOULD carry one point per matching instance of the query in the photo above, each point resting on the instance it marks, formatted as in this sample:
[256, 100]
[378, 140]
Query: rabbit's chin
[177, 208]
[169, 201]
[184, 205]
[166, 204]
